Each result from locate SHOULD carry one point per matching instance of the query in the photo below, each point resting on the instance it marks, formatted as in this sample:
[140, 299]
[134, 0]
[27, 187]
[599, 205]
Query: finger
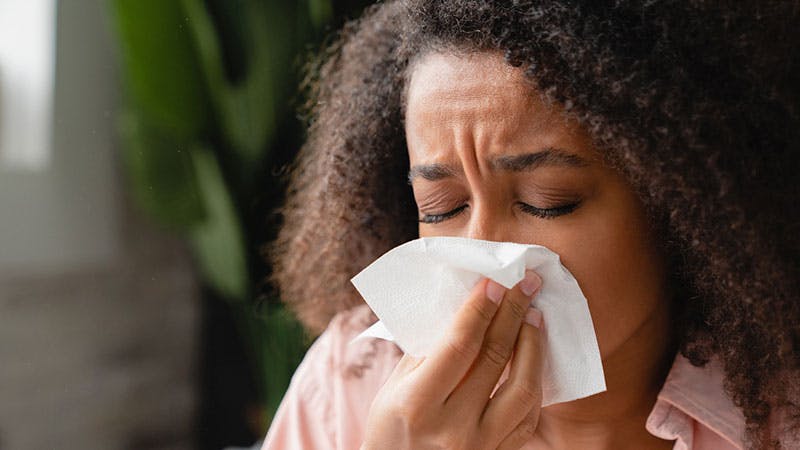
[498, 344]
[515, 406]
[406, 365]
[446, 366]
[523, 433]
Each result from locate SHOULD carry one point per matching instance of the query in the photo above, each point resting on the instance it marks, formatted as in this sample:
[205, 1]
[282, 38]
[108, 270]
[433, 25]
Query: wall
[99, 311]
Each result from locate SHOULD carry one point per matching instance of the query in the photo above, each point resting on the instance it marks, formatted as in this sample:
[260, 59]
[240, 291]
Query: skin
[469, 118]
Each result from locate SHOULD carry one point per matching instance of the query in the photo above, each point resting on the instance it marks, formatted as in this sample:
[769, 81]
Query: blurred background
[142, 144]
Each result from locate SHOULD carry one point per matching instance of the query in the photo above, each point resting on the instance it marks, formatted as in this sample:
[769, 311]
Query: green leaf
[218, 242]
[161, 66]
[248, 110]
[320, 11]
[160, 172]
[283, 346]
[278, 342]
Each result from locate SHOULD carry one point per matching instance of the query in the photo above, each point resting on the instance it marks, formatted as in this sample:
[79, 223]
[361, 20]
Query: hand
[445, 401]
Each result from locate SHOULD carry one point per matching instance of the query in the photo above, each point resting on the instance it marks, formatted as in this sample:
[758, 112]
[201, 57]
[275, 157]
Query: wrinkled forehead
[468, 88]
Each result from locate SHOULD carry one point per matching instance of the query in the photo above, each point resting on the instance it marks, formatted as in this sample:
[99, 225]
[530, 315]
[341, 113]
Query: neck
[634, 372]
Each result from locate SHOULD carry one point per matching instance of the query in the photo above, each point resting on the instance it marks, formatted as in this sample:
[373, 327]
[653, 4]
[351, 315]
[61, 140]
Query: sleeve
[305, 417]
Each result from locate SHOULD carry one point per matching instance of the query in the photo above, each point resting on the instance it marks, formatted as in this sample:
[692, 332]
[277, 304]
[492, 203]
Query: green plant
[208, 89]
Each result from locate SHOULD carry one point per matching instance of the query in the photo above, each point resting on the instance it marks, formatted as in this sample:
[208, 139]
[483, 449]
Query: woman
[650, 144]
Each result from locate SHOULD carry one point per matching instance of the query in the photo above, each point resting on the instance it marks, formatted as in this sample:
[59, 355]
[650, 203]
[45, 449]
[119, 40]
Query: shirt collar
[691, 392]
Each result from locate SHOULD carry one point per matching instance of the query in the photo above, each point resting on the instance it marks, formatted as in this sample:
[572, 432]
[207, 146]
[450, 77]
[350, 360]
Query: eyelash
[544, 213]
[436, 218]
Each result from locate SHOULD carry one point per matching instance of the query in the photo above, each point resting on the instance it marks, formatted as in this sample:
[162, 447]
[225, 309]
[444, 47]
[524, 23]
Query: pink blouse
[327, 402]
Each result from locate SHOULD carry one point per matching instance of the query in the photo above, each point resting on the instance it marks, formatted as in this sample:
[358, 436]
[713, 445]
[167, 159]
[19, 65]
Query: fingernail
[495, 291]
[530, 283]
[534, 317]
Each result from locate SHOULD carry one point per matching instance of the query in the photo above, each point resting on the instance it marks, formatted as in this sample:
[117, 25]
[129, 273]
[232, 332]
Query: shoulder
[331, 391]
[337, 358]
[364, 359]
[695, 404]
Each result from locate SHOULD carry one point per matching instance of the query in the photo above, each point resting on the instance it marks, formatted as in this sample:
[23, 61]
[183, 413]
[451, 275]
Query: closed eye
[544, 213]
[436, 218]
[548, 213]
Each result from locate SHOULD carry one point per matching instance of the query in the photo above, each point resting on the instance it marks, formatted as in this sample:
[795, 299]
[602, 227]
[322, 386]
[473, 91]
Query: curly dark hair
[695, 102]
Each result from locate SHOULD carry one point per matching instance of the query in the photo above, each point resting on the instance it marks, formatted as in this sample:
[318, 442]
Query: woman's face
[490, 160]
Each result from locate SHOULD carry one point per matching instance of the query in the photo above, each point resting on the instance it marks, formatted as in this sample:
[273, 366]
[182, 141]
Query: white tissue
[416, 289]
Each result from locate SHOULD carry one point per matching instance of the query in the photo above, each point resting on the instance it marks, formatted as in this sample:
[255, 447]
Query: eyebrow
[512, 163]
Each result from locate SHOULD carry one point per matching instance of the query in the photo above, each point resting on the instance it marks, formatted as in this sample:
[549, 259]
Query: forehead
[470, 71]
[481, 100]
[471, 82]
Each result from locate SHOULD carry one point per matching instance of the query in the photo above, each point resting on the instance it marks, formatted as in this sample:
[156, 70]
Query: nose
[490, 223]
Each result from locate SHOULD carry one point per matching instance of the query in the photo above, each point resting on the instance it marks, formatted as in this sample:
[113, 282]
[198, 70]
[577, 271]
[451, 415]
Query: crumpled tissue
[415, 290]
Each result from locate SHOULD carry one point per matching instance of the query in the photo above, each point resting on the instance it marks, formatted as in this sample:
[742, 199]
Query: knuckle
[496, 353]
[409, 413]
[527, 428]
[527, 394]
[517, 310]
[451, 438]
[464, 347]
[482, 309]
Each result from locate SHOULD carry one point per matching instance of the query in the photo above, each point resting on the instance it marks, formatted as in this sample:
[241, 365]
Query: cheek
[617, 266]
